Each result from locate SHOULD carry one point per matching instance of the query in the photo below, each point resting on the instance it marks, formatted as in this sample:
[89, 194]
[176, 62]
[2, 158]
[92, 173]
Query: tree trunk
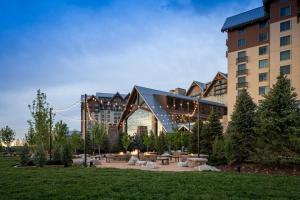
[99, 150]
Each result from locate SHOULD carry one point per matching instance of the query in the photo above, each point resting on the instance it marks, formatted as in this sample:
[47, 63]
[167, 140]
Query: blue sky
[70, 47]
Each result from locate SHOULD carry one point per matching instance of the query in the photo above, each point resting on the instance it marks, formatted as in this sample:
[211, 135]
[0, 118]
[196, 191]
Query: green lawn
[92, 183]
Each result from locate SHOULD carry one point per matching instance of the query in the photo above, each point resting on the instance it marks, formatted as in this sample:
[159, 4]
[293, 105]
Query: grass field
[92, 183]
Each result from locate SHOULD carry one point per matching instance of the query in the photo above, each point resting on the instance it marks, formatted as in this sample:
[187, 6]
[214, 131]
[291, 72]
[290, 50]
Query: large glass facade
[139, 118]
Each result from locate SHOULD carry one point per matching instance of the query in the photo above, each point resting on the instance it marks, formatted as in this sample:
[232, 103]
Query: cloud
[110, 49]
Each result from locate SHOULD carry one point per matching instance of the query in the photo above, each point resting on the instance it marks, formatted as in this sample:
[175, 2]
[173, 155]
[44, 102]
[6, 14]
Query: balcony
[241, 59]
[242, 72]
[242, 85]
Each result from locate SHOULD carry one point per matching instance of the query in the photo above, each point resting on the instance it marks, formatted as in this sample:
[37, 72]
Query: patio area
[165, 162]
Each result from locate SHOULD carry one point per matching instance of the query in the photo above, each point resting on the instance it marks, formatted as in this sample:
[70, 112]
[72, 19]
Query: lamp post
[85, 128]
[198, 119]
[50, 135]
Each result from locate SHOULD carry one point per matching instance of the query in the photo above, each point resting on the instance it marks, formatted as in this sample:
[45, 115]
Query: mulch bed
[260, 169]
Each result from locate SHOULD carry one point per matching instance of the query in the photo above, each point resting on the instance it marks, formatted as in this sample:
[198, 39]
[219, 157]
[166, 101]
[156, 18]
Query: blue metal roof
[161, 114]
[244, 18]
[201, 85]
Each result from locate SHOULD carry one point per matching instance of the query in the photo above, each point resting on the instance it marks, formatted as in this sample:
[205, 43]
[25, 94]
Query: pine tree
[161, 144]
[242, 128]
[279, 122]
[212, 129]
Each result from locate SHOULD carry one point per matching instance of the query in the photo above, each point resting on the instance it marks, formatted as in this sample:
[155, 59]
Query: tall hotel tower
[262, 44]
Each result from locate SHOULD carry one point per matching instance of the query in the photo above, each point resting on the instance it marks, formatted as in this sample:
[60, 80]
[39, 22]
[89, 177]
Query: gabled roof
[160, 113]
[224, 75]
[149, 97]
[245, 18]
[201, 85]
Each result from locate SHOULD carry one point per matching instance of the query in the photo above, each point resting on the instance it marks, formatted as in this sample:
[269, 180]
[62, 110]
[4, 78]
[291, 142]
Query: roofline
[245, 23]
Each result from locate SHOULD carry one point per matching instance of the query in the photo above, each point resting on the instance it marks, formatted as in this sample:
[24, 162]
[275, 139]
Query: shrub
[25, 155]
[67, 155]
[40, 156]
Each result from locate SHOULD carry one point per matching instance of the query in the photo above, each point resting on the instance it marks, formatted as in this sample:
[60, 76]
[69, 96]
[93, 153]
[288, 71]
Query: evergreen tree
[161, 144]
[278, 122]
[241, 128]
[146, 141]
[193, 138]
[212, 129]
[152, 141]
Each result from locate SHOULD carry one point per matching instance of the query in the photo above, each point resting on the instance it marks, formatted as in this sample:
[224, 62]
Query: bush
[25, 155]
[67, 155]
[40, 156]
[57, 153]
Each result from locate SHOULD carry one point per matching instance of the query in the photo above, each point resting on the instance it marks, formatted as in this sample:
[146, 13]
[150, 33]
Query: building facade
[214, 91]
[262, 44]
[104, 108]
[158, 111]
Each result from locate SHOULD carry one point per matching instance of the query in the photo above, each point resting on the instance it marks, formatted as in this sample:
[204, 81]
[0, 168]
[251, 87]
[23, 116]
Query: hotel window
[242, 82]
[285, 40]
[285, 26]
[285, 55]
[285, 11]
[241, 54]
[263, 77]
[264, 24]
[263, 90]
[241, 43]
[263, 50]
[286, 69]
[263, 63]
[263, 37]
[241, 67]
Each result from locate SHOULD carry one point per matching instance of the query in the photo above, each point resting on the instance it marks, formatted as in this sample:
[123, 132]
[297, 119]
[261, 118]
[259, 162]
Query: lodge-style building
[159, 111]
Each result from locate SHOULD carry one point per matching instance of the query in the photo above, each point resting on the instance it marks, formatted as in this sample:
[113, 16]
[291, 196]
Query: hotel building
[262, 44]
[105, 108]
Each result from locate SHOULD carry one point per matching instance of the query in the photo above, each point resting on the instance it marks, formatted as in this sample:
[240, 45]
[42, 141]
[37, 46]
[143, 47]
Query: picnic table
[164, 160]
[176, 157]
